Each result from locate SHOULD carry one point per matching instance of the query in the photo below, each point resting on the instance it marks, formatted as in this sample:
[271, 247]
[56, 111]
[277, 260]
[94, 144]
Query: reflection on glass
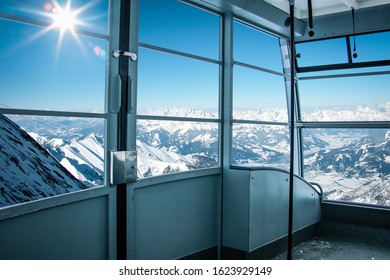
[165, 147]
[350, 164]
[187, 88]
[178, 26]
[43, 69]
[48, 156]
[361, 98]
[324, 52]
[258, 95]
[261, 145]
[257, 48]
[82, 14]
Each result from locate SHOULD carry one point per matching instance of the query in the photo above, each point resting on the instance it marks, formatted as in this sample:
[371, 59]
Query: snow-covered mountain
[380, 112]
[28, 171]
[83, 157]
[357, 171]
[171, 146]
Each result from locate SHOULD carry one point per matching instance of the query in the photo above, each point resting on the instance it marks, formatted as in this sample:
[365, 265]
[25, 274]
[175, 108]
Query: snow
[173, 146]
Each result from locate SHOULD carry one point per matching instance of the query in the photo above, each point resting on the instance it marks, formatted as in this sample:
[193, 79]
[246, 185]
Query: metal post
[122, 129]
[292, 133]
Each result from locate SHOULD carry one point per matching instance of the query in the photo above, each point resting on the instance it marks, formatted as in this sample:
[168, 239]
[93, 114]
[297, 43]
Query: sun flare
[64, 18]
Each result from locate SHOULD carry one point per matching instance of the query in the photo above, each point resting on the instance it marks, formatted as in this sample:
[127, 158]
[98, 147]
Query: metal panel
[72, 231]
[269, 207]
[340, 24]
[123, 167]
[175, 219]
[236, 209]
[257, 12]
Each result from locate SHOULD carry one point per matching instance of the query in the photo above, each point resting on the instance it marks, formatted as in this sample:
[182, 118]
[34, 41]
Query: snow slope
[28, 172]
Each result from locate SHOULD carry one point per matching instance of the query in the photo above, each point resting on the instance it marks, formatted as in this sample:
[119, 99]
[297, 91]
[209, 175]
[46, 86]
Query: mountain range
[76, 146]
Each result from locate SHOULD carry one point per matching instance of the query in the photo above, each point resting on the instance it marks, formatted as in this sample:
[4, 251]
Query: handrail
[321, 192]
[315, 186]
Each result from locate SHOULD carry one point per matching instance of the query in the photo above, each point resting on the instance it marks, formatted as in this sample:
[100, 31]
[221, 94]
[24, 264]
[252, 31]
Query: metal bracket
[123, 167]
[118, 53]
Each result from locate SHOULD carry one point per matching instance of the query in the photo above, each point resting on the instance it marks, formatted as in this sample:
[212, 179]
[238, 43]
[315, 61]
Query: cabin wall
[75, 230]
[256, 209]
[177, 219]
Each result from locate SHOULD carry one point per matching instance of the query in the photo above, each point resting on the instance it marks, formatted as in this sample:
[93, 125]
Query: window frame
[362, 66]
[15, 210]
[286, 75]
[218, 121]
[340, 66]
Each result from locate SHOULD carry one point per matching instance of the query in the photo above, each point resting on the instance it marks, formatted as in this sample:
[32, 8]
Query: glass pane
[64, 14]
[178, 26]
[360, 98]
[257, 48]
[170, 146]
[187, 88]
[261, 145]
[258, 95]
[324, 52]
[350, 164]
[44, 69]
[47, 156]
[371, 47]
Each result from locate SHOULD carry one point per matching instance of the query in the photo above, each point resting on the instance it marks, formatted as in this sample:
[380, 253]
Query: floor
[320, 248]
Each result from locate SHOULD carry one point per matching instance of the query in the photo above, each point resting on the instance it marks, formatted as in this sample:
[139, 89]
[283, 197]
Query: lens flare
[98, 51]
[48, 6]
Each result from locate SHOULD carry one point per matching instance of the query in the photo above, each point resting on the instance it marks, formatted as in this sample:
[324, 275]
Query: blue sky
[44, 68]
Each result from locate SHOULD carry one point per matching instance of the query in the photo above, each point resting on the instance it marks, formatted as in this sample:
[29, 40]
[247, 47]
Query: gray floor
[321, 248]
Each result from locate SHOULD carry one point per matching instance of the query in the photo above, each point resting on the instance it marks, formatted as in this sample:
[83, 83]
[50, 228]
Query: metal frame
[217, 121]
[233, 121]
[111, 39]
[340, 66]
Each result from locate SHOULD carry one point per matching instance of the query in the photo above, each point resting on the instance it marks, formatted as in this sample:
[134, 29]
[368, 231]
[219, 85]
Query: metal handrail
[315, 186]
[321, 192]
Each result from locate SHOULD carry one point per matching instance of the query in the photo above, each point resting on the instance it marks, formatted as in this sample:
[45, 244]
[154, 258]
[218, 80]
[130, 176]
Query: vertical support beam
[227, 91]
[132, 119]
[226, 106]
[111, 129]
[128, 41]
[292, 134]
[124, 32]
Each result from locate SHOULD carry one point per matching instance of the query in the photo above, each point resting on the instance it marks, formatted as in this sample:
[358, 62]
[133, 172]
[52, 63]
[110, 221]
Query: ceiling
[324, 7]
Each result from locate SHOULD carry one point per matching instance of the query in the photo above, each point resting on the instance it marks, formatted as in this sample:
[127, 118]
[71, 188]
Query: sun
[64, 18]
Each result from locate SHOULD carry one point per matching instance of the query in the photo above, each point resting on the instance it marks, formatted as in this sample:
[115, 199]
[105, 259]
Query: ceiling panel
[323, 7]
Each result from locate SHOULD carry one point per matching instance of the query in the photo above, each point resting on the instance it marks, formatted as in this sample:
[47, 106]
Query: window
[345, 98]
[260, 129]
[178, 91]
[345, 116]
[371, 47]
[52, 98]
[340, 52]
[350, 164]
[187, 83]
[323, 52]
